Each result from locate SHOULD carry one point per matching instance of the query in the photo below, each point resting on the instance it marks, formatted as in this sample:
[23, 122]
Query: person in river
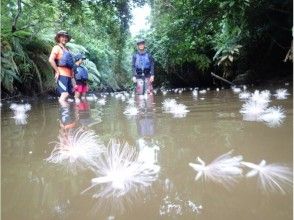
[62, 62]
[81, 77]
[143, 69]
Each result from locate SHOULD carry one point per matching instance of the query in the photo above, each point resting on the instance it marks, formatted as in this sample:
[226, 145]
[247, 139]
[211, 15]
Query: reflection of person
[81, 77]
[145, 126]
[143, 69]
[67, 122]
[83, 108]
[67, 117]
[145, 122]
[62, 62]
[84, 115]
[148, 148]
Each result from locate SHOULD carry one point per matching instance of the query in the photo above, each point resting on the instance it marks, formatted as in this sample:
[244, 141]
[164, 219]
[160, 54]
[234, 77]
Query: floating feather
[77, 150]
[236, 90]
[168, 104]
[281, 94]
[224, 170]
[179, 110]
[131, 110]
[273, 116]
[271, 177]
[119, 171]
[244, 95]
[101, 101]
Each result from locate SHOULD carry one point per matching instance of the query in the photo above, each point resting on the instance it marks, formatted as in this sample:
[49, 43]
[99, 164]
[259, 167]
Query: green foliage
[9, 69]
[225, 54]
[198, 35]
[187, 39]
[98, 28]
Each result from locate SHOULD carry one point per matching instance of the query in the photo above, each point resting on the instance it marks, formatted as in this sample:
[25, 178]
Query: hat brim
[59, 35]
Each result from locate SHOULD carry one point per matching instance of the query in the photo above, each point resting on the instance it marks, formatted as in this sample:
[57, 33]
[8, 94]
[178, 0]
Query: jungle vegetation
[242, 40]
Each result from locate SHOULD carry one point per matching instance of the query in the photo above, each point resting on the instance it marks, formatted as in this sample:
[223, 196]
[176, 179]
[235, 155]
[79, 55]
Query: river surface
[33, 188]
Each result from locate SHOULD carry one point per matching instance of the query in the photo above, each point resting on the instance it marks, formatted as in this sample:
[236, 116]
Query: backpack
[66, 60]
[143, 61]
[81, 73]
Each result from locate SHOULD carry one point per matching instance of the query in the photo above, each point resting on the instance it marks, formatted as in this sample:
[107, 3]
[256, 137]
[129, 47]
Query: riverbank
[286, 82]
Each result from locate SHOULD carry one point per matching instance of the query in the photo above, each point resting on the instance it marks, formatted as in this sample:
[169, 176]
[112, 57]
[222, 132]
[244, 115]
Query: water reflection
[160, 184]
[68, 118]
[145, 121]
[76, 148]
[124, 174]
[227, 130]
[20, 113]
[175, 204]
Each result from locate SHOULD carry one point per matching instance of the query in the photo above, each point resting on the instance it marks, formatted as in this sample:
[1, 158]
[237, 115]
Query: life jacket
[81, 73]
[66, 60]
[143, 63]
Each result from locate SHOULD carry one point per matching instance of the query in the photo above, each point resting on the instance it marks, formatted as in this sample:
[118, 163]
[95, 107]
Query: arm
[151, 68]
[152, 65]
[134, 65]
[134, 68]
[73, 78]
[52, 58]
[73, 81]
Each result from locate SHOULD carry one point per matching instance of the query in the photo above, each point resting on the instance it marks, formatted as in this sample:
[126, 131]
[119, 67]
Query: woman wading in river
[62, 62]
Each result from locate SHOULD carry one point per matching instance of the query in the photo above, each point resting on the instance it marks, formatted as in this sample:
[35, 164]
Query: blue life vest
[81, 73]
[143, 61]
[66, 60]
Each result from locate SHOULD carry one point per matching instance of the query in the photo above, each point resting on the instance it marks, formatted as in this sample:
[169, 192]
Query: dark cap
[79, 56]
[140, 41]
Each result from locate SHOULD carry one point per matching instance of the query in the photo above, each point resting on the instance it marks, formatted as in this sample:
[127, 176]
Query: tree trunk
[19, 10]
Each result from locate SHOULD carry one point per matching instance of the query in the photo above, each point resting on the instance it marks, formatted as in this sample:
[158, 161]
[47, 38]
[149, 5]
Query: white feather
[273, 116]
[244, 95]
[179, 110]
[281, 94]
[224, 170]
[271, 177]
[131, 110]
[101, 101]
[78, 149]
[236, 90]
[168, 104]
[120, 170]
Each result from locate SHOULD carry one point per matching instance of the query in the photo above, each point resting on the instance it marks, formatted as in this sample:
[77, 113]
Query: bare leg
[84, 95]
[77, 97]
[62, 98]
[149, 86]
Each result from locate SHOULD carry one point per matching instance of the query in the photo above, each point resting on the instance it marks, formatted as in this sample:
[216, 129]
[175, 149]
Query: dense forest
[245, 41]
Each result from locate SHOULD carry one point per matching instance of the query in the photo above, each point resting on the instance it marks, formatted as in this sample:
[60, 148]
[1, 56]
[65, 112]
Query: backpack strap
[149, 56]
[62, 48]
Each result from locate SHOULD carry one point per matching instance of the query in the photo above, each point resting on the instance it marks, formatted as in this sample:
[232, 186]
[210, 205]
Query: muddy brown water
[33, 189]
